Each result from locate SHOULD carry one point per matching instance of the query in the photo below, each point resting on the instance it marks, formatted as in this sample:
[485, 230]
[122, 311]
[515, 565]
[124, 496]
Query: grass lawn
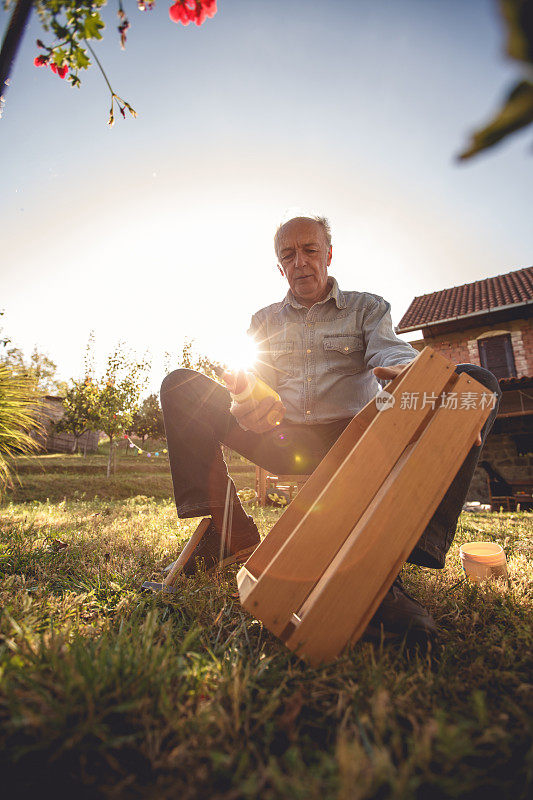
[109, 693]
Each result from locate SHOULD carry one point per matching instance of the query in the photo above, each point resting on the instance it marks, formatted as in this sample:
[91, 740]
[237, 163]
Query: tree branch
[12, 40]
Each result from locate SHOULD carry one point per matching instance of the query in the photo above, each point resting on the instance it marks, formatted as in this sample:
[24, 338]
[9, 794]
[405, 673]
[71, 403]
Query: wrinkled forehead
[298, 232]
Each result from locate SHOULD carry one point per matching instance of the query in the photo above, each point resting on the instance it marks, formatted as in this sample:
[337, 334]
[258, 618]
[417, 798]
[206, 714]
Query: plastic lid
[482, 551]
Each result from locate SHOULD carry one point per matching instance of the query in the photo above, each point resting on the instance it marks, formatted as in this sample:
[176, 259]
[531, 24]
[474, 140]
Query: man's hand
[387, 373]
[252, 416]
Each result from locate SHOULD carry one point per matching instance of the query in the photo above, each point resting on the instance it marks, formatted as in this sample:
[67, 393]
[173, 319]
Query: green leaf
[518, 15]
[81, 59]
[60, 56]
[60, 30]
[91, 26]
[54, 6]
[516, 113]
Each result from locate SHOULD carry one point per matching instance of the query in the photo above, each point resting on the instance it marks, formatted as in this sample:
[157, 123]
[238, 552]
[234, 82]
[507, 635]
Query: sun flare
[234, 352]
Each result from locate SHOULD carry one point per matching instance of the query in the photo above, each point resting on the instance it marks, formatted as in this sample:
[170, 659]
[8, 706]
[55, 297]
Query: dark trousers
[198, 421]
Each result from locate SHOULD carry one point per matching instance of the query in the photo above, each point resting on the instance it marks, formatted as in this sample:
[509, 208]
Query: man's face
[304, 259]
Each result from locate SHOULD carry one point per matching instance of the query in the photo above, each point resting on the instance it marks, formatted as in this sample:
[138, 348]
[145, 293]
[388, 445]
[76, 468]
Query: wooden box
[318, 577]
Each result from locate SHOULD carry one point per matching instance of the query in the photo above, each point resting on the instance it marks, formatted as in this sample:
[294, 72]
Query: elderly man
[323, 350]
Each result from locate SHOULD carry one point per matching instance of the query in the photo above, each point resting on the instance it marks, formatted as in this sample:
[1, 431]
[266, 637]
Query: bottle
[248, 386]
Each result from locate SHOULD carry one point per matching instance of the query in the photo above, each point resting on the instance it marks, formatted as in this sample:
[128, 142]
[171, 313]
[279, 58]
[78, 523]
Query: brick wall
[455, 350]
[499, 450]
[527, 341]
[461, 347]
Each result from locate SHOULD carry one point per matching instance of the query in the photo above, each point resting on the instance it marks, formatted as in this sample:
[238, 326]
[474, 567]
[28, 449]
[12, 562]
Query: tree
[118, 397]
[80, 409]
[190, 359]
[39, 368]
[148, 420]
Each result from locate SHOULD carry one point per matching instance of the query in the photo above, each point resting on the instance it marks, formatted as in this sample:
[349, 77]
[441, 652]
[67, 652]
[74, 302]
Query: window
[496, 354]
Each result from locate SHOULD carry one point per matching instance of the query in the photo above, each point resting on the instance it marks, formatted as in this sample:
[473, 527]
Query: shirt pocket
[344, 354]
[283, 359]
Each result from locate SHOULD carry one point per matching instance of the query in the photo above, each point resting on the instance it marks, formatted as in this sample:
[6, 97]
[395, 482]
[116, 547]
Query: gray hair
[322, 221]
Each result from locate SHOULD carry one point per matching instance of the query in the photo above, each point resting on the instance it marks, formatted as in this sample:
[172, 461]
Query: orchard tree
[189, 358]
[38, 367]
[80, 409]
[148, 420]
[119, 392]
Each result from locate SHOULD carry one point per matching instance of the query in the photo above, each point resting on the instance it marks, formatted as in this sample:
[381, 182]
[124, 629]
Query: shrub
[20, 421]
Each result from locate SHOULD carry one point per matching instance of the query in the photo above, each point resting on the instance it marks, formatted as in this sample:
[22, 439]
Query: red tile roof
[521, 383]
[462, 301]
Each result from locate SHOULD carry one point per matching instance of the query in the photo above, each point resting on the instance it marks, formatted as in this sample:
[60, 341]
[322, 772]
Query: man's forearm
[383, 347]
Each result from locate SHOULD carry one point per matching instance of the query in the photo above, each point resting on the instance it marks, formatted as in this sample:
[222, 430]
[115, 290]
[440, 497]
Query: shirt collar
[333, 294]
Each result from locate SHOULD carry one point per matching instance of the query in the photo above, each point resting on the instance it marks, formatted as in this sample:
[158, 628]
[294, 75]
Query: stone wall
[500, 451]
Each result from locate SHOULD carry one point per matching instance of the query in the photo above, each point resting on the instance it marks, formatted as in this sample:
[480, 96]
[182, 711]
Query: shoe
[401, 614]
[238, 548]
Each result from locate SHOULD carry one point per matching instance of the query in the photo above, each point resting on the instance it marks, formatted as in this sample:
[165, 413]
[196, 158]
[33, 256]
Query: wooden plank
[261, 485]
[245, 581]
[312, 489]
[349, 592]
[323, 529]
[171, 578]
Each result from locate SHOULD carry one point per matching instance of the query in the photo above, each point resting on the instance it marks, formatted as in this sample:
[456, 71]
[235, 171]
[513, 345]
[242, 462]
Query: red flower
[186, 11]
[181, 12]
[40, 61]
[61, 71]
[200, 13]
[210, 7]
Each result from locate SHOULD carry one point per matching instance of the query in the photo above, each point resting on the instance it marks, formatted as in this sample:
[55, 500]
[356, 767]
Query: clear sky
[161, 227]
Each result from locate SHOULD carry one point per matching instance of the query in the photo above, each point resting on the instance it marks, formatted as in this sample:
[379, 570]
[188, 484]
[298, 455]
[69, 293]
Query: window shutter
[496, 355]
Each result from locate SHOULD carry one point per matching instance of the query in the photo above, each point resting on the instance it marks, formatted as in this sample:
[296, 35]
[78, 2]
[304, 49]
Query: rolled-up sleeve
[382, 347]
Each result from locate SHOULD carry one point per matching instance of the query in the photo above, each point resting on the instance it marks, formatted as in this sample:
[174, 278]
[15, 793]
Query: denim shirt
[320, 359]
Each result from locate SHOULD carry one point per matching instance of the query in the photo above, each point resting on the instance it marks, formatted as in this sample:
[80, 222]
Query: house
[55, 442]
[488, 322]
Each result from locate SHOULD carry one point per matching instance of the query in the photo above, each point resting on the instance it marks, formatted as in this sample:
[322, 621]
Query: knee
[484, 376]
[175, 381]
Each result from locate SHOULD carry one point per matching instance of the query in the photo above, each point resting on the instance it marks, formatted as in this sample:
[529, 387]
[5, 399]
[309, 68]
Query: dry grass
[108, 693]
